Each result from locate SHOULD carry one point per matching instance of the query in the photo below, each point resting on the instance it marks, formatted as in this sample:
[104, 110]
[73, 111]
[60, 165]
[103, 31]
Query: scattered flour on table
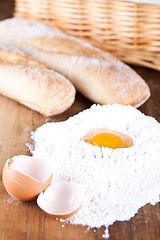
[11, 200]
[117, 182]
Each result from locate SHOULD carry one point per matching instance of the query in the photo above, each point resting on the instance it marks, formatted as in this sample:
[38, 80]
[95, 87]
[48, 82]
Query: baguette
[98, 75]
[31, 83]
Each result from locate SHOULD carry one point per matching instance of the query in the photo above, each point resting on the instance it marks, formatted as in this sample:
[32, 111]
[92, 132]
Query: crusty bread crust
[96, 74]
[31, 83]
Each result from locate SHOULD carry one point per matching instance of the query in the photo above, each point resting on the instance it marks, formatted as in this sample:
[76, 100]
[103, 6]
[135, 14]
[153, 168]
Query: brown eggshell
[21, 186]
[62, 199]
[64, 216]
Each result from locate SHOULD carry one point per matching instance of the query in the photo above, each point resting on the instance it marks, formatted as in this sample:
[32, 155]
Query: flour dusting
[11, 199]
[8, 47]
[117, 182]
[26, 28]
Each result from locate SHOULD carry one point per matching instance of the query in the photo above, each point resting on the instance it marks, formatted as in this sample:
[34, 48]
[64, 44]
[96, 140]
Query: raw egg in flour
[24, 177]
[62, 199]
[103, 137]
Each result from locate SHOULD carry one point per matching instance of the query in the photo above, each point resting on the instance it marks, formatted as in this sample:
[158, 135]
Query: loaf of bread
[98, 75]
[31, 83]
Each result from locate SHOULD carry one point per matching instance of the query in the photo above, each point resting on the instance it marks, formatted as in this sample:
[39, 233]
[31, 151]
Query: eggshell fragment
[24, 177]
[61, 200]
[122, 141]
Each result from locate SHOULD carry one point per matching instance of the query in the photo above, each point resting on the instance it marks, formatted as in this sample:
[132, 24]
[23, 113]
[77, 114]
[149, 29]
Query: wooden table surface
[23, 221]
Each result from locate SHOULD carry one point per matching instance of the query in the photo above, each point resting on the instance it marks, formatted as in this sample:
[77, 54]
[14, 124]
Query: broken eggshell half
[62, 199]
[24, 177]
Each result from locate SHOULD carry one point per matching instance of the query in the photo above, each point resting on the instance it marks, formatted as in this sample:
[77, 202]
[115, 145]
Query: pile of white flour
[117, 182]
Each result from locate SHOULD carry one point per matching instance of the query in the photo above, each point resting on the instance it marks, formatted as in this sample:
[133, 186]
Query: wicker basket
[129, 31]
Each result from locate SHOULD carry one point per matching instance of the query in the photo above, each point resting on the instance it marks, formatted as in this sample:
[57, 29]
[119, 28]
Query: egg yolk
[106, 140]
